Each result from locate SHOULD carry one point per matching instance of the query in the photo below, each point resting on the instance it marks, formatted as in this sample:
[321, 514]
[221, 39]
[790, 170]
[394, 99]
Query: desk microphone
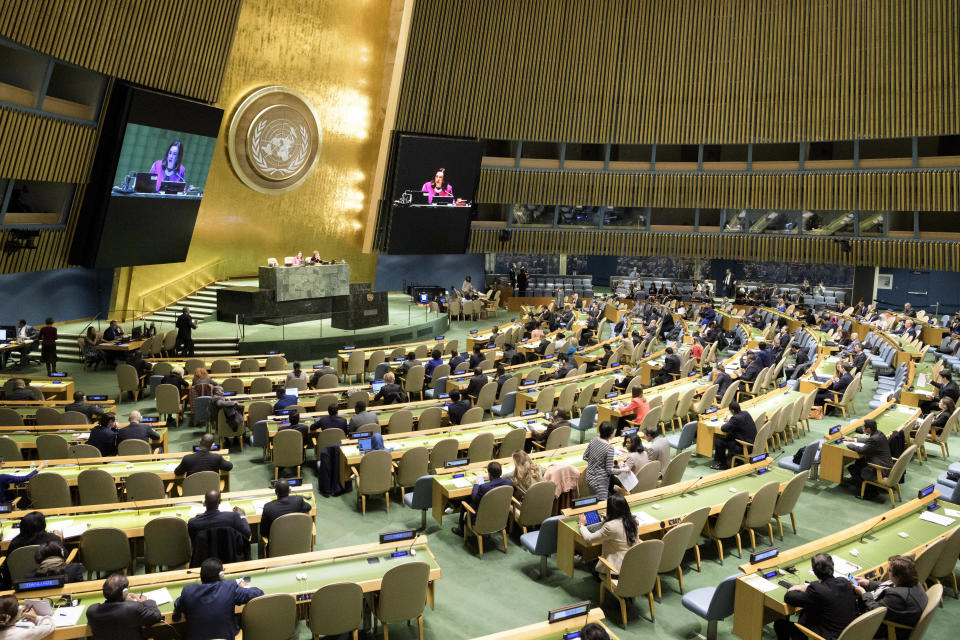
[872, 527]
[690, 486]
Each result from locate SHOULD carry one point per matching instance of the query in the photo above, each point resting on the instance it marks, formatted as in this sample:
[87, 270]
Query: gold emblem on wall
[274, 140]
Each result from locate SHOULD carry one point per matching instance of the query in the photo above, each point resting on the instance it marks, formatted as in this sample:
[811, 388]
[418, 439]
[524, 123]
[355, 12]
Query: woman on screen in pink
[438, 186]
[170, 168]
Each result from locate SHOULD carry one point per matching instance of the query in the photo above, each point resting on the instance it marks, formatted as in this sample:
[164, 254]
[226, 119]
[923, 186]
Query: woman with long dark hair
[616, 535]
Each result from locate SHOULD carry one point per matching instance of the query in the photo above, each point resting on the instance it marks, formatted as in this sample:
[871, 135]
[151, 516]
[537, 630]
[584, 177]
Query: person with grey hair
[136, 430]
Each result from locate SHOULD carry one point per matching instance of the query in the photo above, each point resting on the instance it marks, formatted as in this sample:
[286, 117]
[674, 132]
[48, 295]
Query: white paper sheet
[937, 518]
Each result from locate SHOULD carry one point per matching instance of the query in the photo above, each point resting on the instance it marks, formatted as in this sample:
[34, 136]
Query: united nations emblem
[274, 140]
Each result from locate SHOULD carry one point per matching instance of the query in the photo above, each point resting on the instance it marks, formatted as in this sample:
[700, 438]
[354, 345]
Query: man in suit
[104, 435]
[136, 430]
[390, 392]
[213, 518]
[740, 426]
[122, 615]
[284, 504]
[22, 392]
[320, 372]
[828, 605]
[476, 383]
[331, 420]
[185, 326]
[283, 400]
[78, 405]
[671, 365]
[480, 489]
[722, 379]
[656, 446]
[874, 449]
[459, 405]
[361, 417]
[838, 384]
[945, 387]
[203, 460]
[209, 606]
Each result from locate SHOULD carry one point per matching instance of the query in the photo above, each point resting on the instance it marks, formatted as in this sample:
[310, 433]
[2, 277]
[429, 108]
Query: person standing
[48, 345]
[185, 326]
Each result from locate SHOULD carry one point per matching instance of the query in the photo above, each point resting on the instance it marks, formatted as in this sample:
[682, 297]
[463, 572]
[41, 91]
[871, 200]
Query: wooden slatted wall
[684, 71]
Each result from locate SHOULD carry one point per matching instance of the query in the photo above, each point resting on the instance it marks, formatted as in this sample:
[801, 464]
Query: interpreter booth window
[625, 217]
[533, 215]
[577, 216]
[35, 204]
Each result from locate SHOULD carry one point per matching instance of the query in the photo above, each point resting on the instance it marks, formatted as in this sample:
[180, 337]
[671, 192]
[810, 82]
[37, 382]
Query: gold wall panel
[334, 53]
[684, 71]
[180, 46]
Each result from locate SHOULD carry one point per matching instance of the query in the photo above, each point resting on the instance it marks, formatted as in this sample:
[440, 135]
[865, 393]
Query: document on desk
[161, 596]
[760, 583]
[67, 616]
[937, 518]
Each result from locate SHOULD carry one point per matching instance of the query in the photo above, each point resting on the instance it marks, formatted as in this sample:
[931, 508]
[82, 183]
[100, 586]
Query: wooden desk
[709, 425]
[834, 456]
[546, 631]
[758, 601]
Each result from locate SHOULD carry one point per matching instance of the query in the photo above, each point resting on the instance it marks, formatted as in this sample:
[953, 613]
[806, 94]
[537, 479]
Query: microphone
[690, 486]
[872, 527]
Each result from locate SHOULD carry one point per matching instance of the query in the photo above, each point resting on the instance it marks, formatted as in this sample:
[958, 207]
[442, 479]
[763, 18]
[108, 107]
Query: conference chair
[166, 543]
[713, 604]
[96, 486]
[698, 518]
[10, 418]
[168, 402]
[105, 550]
[473, 415]
[512, 442]
[336, 609]
[443, 452]
[290, 534]
[542, 542]
[729, 522]
[536, 506]
[373, 476]
[197, 484]
[863, 627]
[133, 448]
[144, 485]
[49, 491]
[84, 451]
[287, 451]
[637, 575]
[787, 500]
[270, 617]
[760, 512]
[675, 468]
[491, 516]
[401, 421]
[891, 482]
[413, 464]
[48, 416]
[403, 595]
[675, 542]
[9, 450]
[481, 448]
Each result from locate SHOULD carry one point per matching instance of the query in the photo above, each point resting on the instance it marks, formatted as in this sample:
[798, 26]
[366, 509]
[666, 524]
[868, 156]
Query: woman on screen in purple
[438, 186]
[170, 169]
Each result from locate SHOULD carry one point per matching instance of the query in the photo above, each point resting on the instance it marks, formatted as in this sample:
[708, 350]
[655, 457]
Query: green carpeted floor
[498, 592]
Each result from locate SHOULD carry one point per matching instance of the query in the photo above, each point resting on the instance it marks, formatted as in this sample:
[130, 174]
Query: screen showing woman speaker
[434, 184]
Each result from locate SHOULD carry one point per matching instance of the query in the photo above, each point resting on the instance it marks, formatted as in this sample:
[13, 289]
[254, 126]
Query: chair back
[166, 542]
[537, 504]
[22, 561]
[144, 485]
[430, 418]
[443, 452]
[104, 550]
[403, 592]
[49, 491]
[270, 617]
[472, 416]
[197, 484]
[675, 468]
[511, 443]
[336, 609]
[133, 447]
[493, 511]
[96, 486]
[900, 466]
[675, 542]
[927, 558]
[481, 448]
[9, 450]
[864, 627]
[48, 416]
[638, 571]
[762, 505]
[731, 515]
[51, 446]
[647, 477]
[291, 533]
[558, 438]
[401, 421]
[413, 464]
[376, 473]
[934, 596]
[288, 448]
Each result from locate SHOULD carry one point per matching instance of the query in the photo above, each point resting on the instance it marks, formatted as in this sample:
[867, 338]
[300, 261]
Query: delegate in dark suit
[209, 608]
[740, 426]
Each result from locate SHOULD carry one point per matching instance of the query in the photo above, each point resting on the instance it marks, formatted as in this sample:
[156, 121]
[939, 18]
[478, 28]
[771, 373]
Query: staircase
[203, 306]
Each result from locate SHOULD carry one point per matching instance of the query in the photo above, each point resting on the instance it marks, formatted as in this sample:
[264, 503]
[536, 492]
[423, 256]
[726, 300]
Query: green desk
[346, 564]
[709, 425]
[759, 600]
[657, 508]
[835, 456]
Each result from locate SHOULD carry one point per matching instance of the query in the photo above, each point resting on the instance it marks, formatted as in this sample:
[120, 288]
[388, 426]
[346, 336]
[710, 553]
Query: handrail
[174, 290]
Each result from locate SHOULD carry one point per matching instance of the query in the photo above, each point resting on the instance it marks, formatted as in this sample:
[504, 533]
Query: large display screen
[434, 182]
[148, 179]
